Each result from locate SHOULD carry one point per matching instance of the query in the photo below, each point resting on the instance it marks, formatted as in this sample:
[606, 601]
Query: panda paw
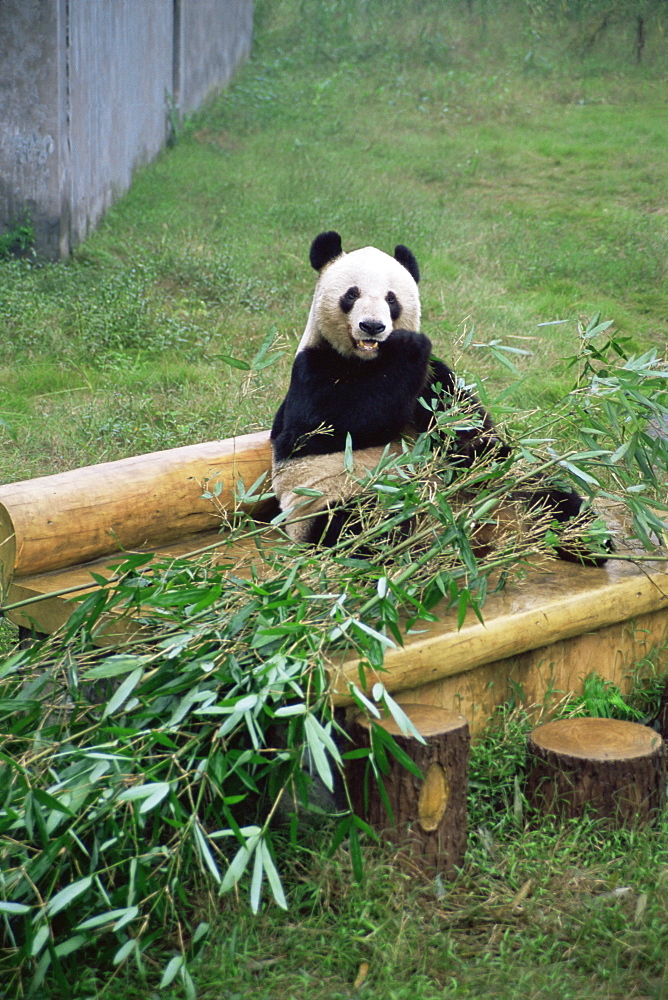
[409, 345]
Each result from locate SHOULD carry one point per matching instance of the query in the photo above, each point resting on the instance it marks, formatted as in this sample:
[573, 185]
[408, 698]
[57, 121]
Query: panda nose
[372, 327]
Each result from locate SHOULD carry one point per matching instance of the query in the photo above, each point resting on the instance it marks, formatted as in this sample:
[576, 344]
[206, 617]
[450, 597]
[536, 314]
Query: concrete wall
[83, 87]
[214, 39]
[31, 87]
[120, 66]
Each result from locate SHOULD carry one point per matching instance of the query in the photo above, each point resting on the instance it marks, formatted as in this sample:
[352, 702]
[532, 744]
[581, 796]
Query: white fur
[325, 473]
[375, 274]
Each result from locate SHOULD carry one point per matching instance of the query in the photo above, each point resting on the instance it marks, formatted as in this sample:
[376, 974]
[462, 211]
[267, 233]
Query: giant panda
[363, 369]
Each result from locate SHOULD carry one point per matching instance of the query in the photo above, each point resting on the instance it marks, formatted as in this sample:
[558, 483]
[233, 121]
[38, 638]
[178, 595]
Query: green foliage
[130, 778]
[539, 909]
[601, 699]
[141, 756]
[496, 772]
[18, 239]
[8, 637]
[135, 786]
[8, 429]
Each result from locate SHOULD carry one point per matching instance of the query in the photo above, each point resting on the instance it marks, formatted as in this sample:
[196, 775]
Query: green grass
[572, 936]
[530, 189]
[539, 909]
[8, 637]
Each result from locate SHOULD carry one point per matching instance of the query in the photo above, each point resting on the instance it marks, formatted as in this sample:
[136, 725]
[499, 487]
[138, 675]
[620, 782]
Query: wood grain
[73, 517]
[611, 769]
[549, 606]
[428, 822]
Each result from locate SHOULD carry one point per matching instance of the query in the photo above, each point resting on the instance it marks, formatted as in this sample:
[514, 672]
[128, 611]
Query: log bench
[543, 634]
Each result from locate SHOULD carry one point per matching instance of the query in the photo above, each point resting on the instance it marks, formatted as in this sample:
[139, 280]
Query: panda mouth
[367, 345]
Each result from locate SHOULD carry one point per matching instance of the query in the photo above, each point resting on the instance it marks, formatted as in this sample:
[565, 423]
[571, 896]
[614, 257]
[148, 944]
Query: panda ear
[406, 258]
[325, 248]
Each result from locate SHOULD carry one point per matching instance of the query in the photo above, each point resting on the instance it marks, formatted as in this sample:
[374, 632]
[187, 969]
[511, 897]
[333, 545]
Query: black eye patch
[395, 306]
[349, 298]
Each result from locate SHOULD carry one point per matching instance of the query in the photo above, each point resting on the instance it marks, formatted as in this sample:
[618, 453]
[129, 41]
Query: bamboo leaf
[171, 971]
[384, 640]
[386, 740]
[17, 908]
[401, 719]
[239, 863]
[316, 746]
[205, 853]
[201, 931]
[622, 450]
[125, 951]
[67, 895]
[233, 362]
[348, 459]
[67, 947]
[502, 359]
[355, 853]
[120, 696]
[110, 916]
[273, 877]
[264, 348]
[579, 473]
[289, 710]
[151, 793]
[114, 666]
[256, 881]
[40, 939]
[363, 701]
[188, 984]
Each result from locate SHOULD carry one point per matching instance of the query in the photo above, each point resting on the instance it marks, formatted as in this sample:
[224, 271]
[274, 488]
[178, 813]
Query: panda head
[360, 297]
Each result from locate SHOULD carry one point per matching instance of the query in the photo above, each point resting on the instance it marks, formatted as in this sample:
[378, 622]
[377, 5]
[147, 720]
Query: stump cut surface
[596, 739]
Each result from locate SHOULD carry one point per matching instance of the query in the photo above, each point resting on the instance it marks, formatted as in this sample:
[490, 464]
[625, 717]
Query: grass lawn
[571, 911]
[519, 151]
[530, 183]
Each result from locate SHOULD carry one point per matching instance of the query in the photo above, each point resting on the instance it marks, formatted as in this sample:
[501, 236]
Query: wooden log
[612, 769]
[429, 814]
[73, 517]
[549, 606]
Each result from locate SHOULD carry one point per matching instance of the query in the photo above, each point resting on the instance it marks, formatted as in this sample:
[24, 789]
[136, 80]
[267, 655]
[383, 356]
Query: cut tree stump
[429, 813]
[662, 714]
[609, 768]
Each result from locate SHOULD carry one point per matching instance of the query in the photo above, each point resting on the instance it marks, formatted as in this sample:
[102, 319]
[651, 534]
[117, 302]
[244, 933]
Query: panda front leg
[443, 394]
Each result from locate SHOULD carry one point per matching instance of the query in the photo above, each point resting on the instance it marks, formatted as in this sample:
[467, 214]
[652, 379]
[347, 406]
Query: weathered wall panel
[120, 70]
[32, 81]
[83, 98]
[215, 37]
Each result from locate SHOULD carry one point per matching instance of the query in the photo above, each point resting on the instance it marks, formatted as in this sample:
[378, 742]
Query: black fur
[406, 258]
[349, 298]
[395, 306]
[325, 248]
[372, 400]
